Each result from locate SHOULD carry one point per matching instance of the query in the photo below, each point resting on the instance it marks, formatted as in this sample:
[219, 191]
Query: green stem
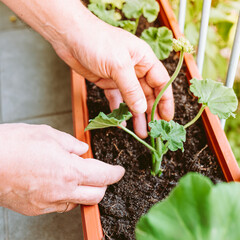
[156, 163]
[156, 171]
[196, 117]
[153, 155]
[159, 145]
[138, 138]
[136, 26]
[177, 70]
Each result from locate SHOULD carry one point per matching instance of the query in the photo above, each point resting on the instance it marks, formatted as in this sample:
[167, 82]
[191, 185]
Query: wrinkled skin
[40, 168]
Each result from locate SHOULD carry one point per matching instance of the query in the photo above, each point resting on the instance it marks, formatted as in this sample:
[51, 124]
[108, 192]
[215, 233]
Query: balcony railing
[235, 52]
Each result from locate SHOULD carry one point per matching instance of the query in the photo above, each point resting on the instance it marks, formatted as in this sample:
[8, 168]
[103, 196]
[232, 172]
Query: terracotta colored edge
[92, 228]
[216, 136]
[90, 214]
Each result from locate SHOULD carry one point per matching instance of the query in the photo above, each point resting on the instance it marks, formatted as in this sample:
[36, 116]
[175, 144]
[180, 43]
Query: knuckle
[132, 91]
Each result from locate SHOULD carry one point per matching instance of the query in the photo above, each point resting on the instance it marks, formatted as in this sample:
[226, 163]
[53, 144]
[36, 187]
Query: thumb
[131, 89]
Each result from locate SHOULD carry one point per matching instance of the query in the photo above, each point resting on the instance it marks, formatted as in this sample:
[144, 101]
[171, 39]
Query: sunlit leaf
[172, 132]
[221, 100]
[115, 3]
[160, 40]
[135, 8]
[127, 25]
[195, 209]
[113, 119]
[108, 16]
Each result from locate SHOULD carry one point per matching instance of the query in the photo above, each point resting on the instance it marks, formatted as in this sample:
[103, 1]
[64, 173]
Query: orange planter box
[216, 137]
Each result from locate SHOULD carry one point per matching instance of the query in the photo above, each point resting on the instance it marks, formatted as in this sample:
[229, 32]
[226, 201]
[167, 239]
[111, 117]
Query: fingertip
[121, 171]
[166, 110]
[140, 125]
[85, 147]
[140, 106]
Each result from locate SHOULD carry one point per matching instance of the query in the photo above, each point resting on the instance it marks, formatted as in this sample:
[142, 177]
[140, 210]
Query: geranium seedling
[165, 136]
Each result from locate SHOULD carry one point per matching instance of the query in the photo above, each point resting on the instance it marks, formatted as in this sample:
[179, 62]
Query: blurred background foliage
[221, 31]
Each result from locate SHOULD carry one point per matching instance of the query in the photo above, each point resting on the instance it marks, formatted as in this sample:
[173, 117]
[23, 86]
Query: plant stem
[136, 26]
[156, 160]
[159, 145]
[156, 171]
[177, 70]
[138, 138]
[196, 117]
[153, 155]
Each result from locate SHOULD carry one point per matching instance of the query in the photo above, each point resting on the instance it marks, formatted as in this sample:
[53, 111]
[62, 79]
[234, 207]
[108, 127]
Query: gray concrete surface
[35, 89]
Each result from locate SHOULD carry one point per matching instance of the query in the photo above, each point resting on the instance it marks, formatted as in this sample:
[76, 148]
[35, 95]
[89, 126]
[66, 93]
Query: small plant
[111, 11]
[195, 209]
[165, 136]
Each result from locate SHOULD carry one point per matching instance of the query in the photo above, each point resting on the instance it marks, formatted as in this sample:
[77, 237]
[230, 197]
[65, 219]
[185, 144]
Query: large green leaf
[221, 100]
[195, 210]
[160, 40]
[113, 119]
[135, 8]
[172, 132]
[182, 216]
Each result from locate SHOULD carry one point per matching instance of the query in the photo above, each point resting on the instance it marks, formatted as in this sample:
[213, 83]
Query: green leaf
[160, 40]
[182, 216]
[115, 3]
[113, 119]
[191, 32]
[172, 132]
[195, 210]
[135, 8]
[109, 16]
[127, 25]
[221, 100]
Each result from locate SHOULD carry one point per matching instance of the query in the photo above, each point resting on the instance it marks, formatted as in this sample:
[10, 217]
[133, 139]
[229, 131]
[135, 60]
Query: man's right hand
[41, 171]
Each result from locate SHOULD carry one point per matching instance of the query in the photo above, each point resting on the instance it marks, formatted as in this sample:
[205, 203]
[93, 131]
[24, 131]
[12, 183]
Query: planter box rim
[216, 137]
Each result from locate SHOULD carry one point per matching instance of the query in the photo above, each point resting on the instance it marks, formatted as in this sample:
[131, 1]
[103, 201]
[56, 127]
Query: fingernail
[140, 106]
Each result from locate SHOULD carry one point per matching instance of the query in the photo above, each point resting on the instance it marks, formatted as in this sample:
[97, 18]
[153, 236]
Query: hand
[123, 65]
[40, 170]
[108, 56]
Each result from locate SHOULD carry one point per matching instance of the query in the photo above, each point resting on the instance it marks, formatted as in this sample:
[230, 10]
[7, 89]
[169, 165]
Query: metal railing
[235, 53]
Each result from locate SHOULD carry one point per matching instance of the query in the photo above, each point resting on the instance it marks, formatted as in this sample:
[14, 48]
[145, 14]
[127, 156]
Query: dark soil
[126, 201]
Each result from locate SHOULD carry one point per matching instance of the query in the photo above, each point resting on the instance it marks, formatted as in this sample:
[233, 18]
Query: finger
[106, 84]
[150, 96]
[92, 172]
[59, 208]
[114, 98]
[130, 89]
[166, 104]
[69, 143]
[65, 207]
[151, 101]
[88, 195]
[140, 124]
[157, 77]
